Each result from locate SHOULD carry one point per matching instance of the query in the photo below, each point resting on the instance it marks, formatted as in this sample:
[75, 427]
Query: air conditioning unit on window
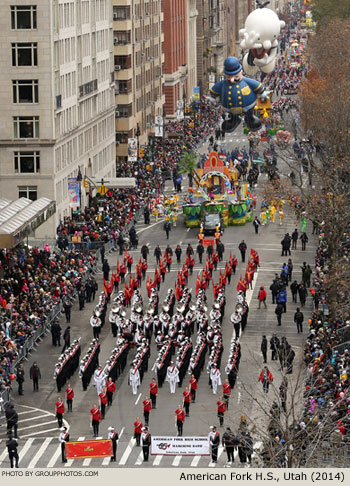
[147, 14]
[115, 16]
[117, 113]
[117, 67]
[115, 41]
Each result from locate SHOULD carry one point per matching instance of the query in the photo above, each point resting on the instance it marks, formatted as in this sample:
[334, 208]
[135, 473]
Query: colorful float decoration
[219, 191]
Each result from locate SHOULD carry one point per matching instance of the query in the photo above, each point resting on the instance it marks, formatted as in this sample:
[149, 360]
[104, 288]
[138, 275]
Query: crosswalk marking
[139, 460]
[157, 460]
[54, 458]
[37, 425]
[36, 418]
[25, 448]
[70, 461]
[176, 461]
[39, 453]
[45, 431]
[195, 461]
[127, 452]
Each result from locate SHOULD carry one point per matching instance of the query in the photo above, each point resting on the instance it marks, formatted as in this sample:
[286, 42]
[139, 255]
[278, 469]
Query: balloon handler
[238, 94]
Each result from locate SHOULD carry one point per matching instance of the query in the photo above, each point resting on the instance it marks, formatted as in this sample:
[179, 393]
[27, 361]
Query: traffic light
[86, 184]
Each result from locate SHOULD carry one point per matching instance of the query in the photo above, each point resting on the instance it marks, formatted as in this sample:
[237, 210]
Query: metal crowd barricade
[344, 333]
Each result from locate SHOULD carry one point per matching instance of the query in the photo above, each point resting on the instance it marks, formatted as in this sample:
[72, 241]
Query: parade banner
[89, 448]
[180, 446]
[132, 149]
[196, 94]
[158, 126]
[73, 192]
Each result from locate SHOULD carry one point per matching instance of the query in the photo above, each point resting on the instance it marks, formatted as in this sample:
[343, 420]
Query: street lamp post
[79, 179]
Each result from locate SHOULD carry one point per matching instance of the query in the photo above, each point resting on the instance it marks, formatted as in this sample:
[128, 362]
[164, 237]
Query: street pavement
[38, 430]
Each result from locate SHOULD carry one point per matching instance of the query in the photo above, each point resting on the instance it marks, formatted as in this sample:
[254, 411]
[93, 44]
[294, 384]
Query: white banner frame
[180, 446]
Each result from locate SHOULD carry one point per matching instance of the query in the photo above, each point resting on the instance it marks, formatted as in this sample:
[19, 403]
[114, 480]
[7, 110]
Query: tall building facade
[138, 64]
[56, 98]
[211, 40]
[191, 26]
[175, 54]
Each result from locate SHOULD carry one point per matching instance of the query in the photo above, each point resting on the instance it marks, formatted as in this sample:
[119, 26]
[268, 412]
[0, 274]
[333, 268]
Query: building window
[25, 91]
[125, 111]
[30, 192]
[23, 17]
[122, 37]
[124, 87]
[27, 162]
[121, 13]
[24, 54]
[26, 126]
[123, 62]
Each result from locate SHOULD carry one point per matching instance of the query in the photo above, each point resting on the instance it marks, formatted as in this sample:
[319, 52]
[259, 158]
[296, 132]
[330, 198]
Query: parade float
[218, 191]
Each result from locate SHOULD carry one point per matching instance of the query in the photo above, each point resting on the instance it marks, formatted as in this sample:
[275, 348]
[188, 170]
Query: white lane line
[107, 460]
[38, 425]
[39, 453]
[176, 461]
[36, 418]
[139, 459]
[188, 229]
[157, 460]
[86, 462]
[154, 366]
[54, 458]
[195, 461]
[38, 433]
[127, 452]
[25, 449]
[28, 411]
[138, 398]
[149, 226]
[70, 461]
[3, 455]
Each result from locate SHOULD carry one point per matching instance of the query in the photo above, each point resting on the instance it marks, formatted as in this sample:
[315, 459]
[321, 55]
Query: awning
[20, 218]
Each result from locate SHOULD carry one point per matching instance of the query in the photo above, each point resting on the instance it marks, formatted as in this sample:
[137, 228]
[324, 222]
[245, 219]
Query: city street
[38, 432]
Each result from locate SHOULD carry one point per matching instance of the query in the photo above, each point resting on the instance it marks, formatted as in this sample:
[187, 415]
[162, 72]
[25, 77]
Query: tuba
[165, 308]
[138, 309]
[115, 308]
[192, 306]
[216, 305]
[239, 308]
[180, 307]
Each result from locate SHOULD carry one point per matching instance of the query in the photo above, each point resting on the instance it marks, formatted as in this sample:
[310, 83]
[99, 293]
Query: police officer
[20, 378]
[12, 446]
[63, 438]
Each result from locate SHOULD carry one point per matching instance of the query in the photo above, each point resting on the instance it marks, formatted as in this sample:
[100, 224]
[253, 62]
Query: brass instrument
[180, 307]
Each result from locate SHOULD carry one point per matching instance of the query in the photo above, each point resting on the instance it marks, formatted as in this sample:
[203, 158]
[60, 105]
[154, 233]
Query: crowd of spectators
[33, 281]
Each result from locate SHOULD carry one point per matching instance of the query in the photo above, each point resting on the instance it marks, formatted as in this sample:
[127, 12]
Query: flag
[198, 282]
